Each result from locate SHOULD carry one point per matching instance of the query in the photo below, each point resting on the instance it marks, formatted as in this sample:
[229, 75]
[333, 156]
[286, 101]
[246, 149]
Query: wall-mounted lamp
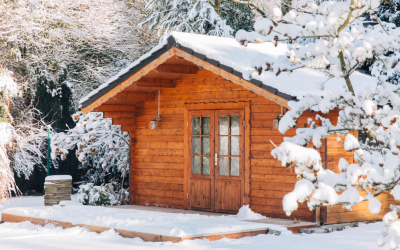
[154, 122]
[275, 122]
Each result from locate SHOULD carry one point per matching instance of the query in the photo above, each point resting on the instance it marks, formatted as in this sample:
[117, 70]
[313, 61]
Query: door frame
[216, 106]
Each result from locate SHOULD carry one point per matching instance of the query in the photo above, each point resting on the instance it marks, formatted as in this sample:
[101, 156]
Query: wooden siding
[157, 171]
[158, 161]
[337, 213]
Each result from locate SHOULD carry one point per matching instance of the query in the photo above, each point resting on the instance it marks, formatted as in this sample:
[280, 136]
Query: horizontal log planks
[157, 172]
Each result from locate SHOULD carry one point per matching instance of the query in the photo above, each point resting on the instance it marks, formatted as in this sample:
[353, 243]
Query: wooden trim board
[296, 229]
[132, 234]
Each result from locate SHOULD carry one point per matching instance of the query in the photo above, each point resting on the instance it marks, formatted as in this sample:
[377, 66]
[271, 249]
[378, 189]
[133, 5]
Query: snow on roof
[229, 52]
[298, 83]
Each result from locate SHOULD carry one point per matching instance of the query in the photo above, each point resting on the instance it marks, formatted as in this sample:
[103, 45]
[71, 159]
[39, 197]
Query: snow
[58, 177]
[302, 190]
[20, 236]
[140, 221]
[231, 53]
[7, 133]
[299, 83]
[23, 201]
[245, 213]
[351, 143]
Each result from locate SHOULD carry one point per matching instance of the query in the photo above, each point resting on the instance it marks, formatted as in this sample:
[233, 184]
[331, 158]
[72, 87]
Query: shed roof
[230, 56]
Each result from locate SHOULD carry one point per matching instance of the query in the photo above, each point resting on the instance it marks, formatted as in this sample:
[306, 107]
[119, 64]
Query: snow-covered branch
[197, 16]
[82, 43]
[98, 143]
[340, 42]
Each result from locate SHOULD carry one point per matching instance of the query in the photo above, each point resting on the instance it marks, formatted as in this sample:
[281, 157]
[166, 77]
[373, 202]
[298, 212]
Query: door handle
[216, 158]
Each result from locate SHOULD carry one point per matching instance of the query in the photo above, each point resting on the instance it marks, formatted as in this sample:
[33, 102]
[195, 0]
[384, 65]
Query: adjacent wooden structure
[212, 148]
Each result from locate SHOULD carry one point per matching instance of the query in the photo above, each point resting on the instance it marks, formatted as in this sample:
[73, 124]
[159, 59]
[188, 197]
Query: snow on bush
[7, 182]
[245, 213]
[8, 87]
[338, 43]
[98, 143]
[103, 195]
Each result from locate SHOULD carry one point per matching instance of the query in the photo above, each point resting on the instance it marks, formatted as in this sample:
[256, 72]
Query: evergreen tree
[390, 12]
[237, 16]
[189, 16]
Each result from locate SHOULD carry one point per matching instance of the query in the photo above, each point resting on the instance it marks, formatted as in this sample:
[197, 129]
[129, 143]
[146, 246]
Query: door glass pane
[234, 125]
[205, 126]
[195, 164]
[205, 141]
[195, 125]
[205, 166]
[223, 166]
[223, 125]
[223, 145]
[234, 166]
[195, 145]
[234, 145]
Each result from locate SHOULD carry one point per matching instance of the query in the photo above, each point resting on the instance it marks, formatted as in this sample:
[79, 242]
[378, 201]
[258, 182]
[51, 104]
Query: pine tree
[237, 16]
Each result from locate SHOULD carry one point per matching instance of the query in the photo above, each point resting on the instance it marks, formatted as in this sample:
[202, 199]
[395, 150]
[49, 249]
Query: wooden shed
[211, 149]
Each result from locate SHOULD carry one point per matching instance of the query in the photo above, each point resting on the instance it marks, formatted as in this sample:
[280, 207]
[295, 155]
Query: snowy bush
[103, 195]
[339, 44]
[102, 148]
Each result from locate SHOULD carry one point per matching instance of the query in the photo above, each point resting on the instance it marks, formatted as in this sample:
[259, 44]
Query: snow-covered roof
[230, 54]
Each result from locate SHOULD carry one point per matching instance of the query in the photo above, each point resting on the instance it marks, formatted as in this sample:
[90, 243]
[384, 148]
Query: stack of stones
[57, 188]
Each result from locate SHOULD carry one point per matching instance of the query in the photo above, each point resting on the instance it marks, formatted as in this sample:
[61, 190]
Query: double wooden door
[216, 160]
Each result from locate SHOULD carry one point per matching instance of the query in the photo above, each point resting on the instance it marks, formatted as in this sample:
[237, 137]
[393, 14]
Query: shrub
[103, 195]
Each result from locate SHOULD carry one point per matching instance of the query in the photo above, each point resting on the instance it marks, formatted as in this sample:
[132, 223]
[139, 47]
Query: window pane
[195, 125]
[195, 145]
[205, 144]
[195, 164]
[234, 125]
[223, 125]
[205, 126]
[234, 145]
[205, 166]
[234, 166]
[223, 145]
[223, 166]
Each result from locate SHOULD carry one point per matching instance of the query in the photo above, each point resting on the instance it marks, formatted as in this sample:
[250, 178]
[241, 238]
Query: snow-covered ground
[28, 236]
[25, 235]
[176, 224]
